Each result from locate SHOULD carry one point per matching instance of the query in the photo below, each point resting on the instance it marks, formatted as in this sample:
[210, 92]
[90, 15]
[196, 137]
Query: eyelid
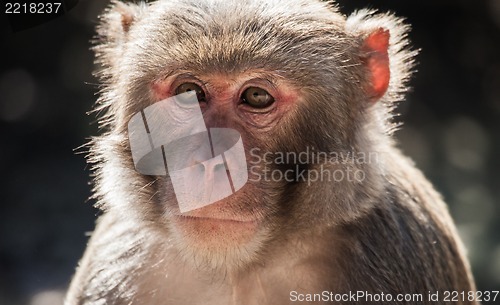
[262, 83]
[188, 78]
[268, 82]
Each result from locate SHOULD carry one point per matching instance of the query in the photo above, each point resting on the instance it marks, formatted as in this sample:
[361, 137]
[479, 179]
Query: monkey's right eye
[187, 87]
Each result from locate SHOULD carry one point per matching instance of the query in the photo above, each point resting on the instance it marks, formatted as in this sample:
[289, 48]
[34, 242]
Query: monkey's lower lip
[226, 221]
[237, 229]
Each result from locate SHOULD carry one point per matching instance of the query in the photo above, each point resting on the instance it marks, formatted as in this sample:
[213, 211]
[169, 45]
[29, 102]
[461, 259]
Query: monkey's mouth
[217, 230]
[213, 221]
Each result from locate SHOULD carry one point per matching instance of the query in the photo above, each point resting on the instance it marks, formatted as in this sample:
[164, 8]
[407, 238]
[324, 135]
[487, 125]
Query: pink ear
[377, 61]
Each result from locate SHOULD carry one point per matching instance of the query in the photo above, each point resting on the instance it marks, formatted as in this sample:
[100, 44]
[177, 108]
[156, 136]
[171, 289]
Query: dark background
[451, 129]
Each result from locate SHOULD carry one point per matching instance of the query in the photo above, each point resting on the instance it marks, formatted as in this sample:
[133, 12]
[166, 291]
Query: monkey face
[250, 104]
[285, 76]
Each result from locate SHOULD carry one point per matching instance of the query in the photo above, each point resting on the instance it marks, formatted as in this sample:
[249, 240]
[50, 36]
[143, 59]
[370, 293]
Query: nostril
[219, 167]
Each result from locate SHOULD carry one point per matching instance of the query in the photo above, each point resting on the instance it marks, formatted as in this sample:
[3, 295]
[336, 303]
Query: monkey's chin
[215, 243]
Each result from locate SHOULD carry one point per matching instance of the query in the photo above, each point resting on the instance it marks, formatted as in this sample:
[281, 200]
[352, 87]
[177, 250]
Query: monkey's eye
[187, 87]
[257, 97]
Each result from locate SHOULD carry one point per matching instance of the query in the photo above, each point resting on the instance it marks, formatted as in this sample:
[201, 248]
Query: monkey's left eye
[187, 87]
[257, 97]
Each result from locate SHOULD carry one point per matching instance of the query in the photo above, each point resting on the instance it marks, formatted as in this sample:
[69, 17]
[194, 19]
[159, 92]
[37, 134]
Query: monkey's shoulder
[406, 243]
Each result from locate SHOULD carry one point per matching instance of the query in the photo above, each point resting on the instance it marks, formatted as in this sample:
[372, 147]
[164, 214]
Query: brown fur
[391, 234]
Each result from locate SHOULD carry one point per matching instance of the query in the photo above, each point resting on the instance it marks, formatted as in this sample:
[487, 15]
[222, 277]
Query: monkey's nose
[212, 172]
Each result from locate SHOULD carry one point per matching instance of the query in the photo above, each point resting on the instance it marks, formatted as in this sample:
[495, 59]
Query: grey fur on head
[297, 34]
[305, 41]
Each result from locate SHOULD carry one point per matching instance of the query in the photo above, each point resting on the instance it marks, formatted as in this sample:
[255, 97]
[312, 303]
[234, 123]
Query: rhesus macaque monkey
[293, 77]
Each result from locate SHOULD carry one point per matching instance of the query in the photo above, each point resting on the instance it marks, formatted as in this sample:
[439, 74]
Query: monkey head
[289, 76]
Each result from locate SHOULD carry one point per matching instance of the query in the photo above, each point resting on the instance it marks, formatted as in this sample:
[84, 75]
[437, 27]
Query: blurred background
[451, 129]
